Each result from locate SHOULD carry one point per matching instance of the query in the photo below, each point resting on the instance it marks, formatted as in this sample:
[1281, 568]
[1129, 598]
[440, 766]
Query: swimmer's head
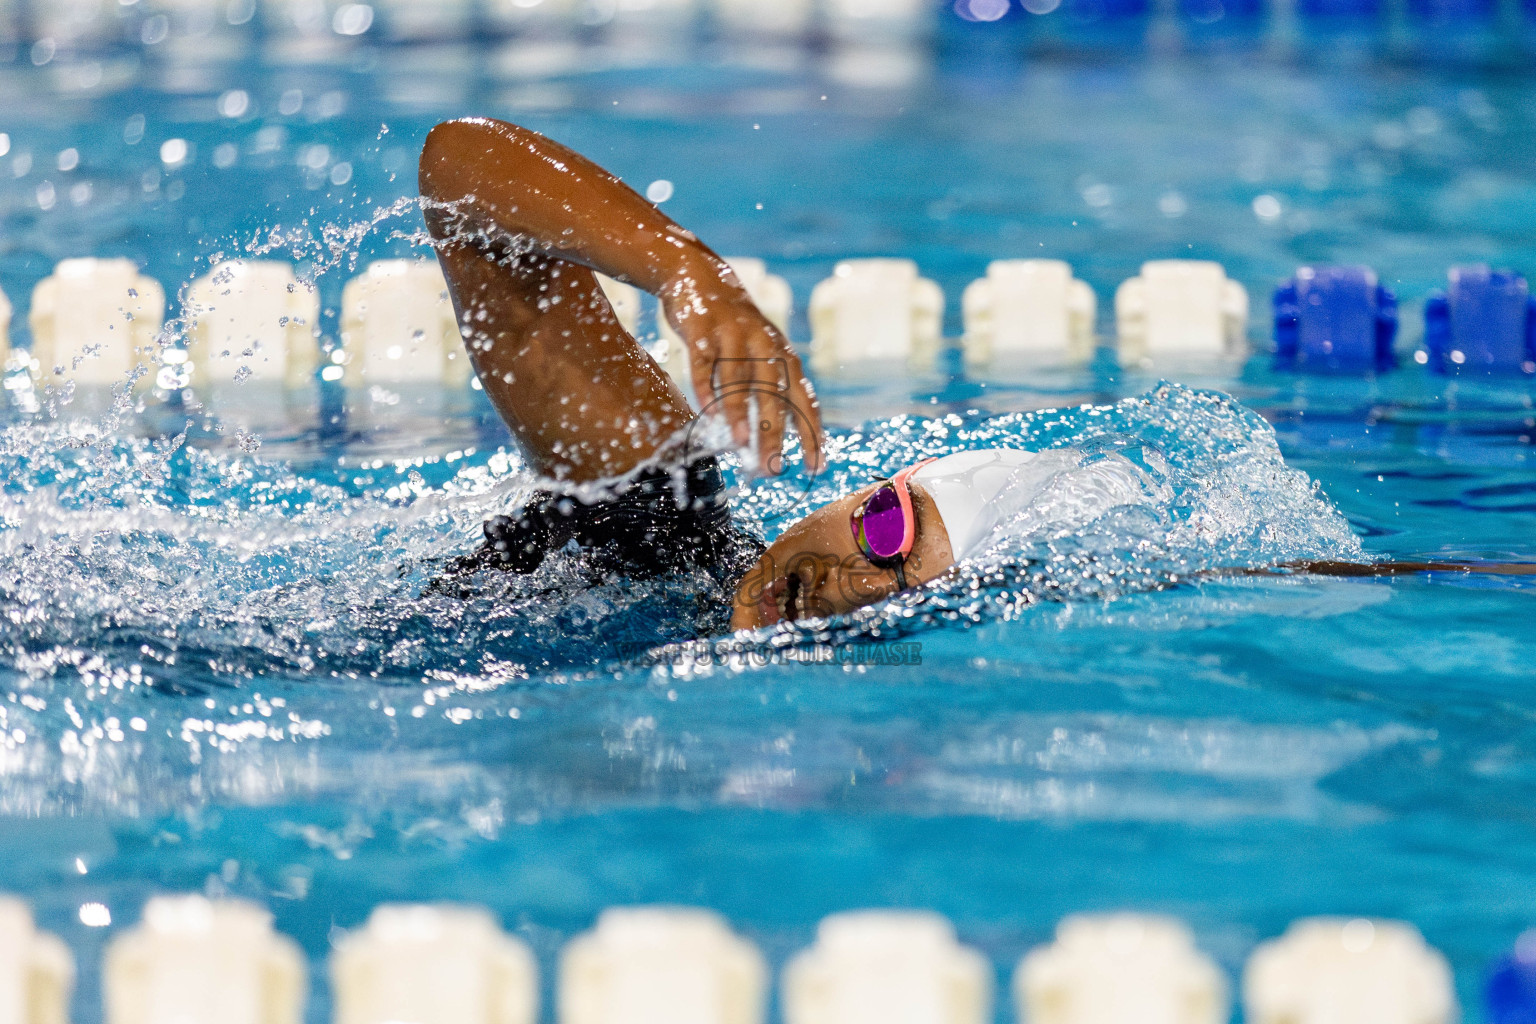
[818, 568]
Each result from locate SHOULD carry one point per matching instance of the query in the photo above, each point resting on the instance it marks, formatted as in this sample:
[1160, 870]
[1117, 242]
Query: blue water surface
[219, 673]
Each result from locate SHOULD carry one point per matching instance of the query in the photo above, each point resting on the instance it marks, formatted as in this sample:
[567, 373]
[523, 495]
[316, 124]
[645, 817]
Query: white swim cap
[978, 493]
[965, 485]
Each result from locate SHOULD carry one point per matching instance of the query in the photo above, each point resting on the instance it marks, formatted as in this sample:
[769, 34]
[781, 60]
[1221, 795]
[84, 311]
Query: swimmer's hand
[736, 355]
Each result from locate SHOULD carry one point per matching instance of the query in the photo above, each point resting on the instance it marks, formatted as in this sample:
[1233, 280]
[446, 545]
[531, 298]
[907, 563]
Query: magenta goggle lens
[885, 525]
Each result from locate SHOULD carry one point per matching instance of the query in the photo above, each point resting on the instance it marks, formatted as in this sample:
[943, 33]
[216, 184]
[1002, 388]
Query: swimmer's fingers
[735, 360]
[772, 395]
[709, 365]
[793, 402]
[701, 363]
[732, 374]
[802, 397]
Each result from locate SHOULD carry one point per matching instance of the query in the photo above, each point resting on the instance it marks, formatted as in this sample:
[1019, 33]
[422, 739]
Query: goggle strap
[908, 513]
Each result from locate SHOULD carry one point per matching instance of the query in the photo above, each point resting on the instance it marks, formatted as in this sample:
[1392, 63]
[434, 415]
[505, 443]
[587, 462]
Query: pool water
[219, 673]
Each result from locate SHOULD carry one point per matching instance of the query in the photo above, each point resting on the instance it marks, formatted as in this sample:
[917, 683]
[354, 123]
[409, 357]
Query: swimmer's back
[661, 520]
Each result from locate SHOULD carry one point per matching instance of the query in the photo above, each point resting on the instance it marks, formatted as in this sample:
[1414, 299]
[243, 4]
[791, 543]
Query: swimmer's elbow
[442, 160]
[457, 152]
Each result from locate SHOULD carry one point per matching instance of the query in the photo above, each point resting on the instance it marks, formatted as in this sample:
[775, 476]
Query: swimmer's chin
[769, 608]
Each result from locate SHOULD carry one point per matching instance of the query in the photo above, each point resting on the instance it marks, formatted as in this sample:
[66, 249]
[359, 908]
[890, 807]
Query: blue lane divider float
[1209, 12]
[1108, 11]
[1350, 10]
[1452, 13]
[986, 12]
[1509, 996]
[1333, 320]
[1485, 321]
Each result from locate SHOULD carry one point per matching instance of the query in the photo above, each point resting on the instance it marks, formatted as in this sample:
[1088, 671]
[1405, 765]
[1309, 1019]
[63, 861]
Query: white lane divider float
[1181, 309]
[196, 961]
[866, 19]
[782, 19]
[93, 320]
[5, 334]
[670, 14]
[398, 327]
[1031, 311]
[433, 965]
[414, 21]
[875, 314]
[661, 965]
[544, 17]
[1113, 968]
[887, 967]
[625, 300]
[1339, 971]
[36, 970]
[251, 320]
[75, 21]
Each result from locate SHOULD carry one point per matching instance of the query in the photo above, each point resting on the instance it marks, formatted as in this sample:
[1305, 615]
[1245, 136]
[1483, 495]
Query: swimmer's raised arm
[519, 222]
[1384, 568]
[1411, 568]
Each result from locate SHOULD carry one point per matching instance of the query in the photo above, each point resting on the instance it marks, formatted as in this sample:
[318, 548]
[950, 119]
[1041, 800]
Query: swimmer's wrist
[708, 276]
[695, 278]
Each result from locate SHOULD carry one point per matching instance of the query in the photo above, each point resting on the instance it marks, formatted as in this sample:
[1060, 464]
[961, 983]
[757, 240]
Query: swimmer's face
[816, 569]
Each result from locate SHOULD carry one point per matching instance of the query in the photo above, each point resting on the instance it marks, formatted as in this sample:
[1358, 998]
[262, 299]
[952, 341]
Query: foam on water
[146, 582]
[224, 567]
[1224, 500]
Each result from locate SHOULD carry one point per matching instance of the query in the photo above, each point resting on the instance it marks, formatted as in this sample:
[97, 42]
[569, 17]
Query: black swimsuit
[659, 521]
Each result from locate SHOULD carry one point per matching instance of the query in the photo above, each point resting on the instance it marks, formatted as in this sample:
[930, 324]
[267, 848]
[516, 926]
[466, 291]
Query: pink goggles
[885, 523]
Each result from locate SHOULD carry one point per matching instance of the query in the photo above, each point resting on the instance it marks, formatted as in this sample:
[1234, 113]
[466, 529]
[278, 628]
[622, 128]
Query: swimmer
[520, 224]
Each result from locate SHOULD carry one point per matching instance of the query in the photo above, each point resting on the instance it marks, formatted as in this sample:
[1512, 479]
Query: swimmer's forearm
[1389, 568]
[531, 192]
[1412, 568]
